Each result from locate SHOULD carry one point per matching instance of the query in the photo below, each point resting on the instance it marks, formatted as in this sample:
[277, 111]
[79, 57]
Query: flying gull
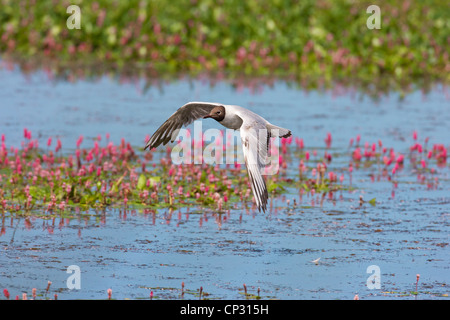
[255, 133]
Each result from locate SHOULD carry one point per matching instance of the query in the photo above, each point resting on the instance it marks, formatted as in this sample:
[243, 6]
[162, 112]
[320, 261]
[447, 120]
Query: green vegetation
[108, 175]
[46, 180]
[312, 42]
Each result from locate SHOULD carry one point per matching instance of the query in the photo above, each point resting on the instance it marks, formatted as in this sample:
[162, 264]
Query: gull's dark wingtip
[148, 146]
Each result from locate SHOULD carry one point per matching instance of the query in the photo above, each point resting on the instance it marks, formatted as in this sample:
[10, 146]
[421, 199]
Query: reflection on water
[135, 251]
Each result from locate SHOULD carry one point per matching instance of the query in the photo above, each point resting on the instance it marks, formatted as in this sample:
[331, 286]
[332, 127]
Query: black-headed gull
[251, 127]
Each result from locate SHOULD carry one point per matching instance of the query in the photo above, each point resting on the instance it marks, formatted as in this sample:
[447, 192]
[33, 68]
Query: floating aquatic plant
[51, 181]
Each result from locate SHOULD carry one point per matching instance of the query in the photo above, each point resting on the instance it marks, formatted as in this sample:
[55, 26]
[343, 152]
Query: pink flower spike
[58, 144]
[6, 293]
[49, 141]
[328, 140]
[79, 141]
[424, 164]
[395, 168]
[415, 135]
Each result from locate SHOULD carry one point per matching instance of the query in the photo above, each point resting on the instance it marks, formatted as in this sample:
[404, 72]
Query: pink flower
[331, 176]
[424, 164]
[79, 141]
[357, 154]
[58, 145]
[300, 143]
[351, 142]
[395, 168]
[328, 140]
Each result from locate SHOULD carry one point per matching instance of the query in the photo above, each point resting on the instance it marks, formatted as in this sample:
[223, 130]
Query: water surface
[406, 233]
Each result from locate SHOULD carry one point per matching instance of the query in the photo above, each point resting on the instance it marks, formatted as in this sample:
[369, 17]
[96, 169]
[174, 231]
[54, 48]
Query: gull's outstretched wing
[187, 114]
[254, 138]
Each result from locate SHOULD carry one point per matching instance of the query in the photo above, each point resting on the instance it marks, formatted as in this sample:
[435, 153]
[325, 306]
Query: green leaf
[141, 182]
[154, 180]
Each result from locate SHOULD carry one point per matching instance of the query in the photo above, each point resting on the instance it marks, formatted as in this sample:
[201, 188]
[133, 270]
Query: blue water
[133, 252]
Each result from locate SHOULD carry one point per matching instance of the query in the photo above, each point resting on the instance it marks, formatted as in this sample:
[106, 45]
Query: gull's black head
[217, 113]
